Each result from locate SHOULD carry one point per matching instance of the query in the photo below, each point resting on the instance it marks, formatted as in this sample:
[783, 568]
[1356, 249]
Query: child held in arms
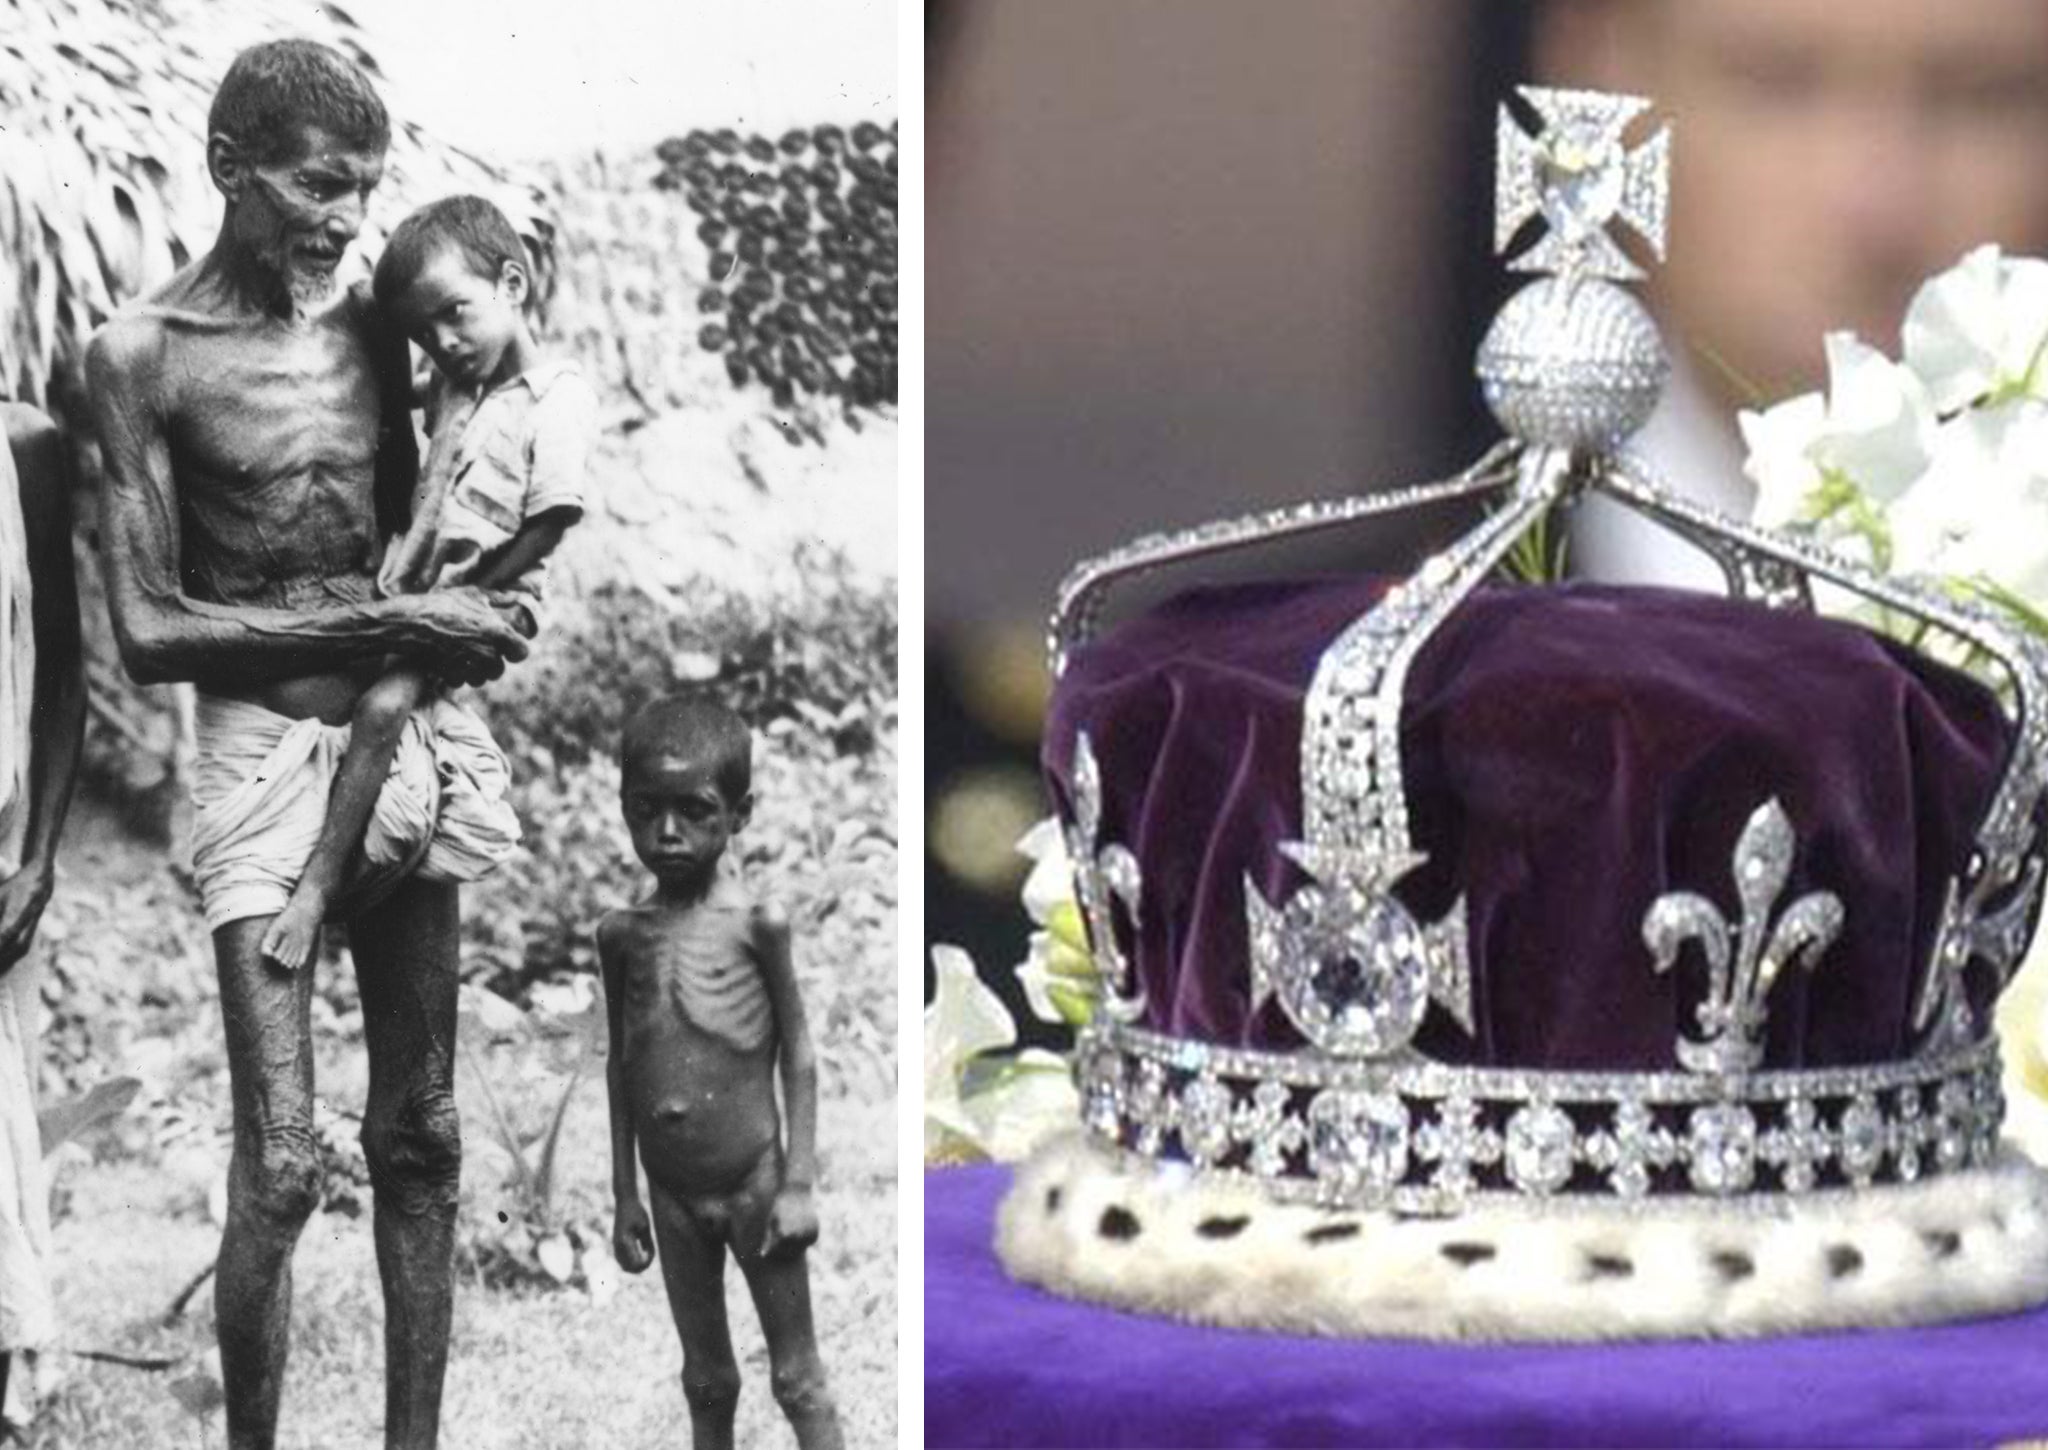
[509, 435]
[702, 1005]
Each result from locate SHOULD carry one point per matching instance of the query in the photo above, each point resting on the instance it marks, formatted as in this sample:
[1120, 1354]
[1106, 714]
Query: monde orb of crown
[1572, 362]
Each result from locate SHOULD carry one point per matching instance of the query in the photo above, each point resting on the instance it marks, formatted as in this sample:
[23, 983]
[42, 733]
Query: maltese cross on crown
[1578, 176]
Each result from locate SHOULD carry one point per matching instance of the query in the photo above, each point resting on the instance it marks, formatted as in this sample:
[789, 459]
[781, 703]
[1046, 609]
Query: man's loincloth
[738, 1218]
[260, 789]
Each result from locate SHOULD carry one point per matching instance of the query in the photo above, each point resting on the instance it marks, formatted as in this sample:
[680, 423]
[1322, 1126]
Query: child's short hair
[273, 91]
[703, 728]
[468, 225]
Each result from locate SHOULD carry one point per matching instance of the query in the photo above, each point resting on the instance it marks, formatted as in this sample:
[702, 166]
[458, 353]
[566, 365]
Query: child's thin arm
[537, 538]
[799, 1066]
[632, 1234]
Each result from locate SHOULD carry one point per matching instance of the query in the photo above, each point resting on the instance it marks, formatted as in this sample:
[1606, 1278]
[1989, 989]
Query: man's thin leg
[781, 1286]
[406, 962]
[374, 732]
[273, 1179]
[693, 1269]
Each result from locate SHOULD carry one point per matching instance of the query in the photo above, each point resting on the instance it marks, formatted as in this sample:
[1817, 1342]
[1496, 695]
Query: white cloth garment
[1693, 445]
[260, 788]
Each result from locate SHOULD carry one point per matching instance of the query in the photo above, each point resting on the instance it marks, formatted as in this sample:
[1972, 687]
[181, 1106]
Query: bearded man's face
[298, 214]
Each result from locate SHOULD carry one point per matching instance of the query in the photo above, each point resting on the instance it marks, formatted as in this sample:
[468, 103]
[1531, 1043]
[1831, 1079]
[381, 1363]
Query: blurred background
[708, 197]
[1191, 258]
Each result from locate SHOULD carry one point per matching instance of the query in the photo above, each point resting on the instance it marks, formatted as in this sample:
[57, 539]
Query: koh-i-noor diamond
[1357, 1143]
[1354, 970]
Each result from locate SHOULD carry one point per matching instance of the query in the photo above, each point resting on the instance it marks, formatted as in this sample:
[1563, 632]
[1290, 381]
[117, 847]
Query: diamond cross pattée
[1579, 177]
[1456, 1142]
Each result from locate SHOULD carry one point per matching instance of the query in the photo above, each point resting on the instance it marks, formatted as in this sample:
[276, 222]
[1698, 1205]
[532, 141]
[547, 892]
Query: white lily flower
[1880, 421]
[1981, 509]
[1978, 329]
[1032, 1099]
[963, 1020]
[1781, 441]
[1052, 875]
[1933, 521]
[1058, 972]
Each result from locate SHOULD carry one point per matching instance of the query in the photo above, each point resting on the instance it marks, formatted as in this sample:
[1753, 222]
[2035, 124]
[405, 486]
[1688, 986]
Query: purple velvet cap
[1571, 753]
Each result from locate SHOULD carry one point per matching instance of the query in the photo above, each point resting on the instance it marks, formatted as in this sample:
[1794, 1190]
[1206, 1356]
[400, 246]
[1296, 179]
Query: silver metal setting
[1417, 1136]
[1742, 963]
[1579, 176]
[1105, 874]
[1358, 1116]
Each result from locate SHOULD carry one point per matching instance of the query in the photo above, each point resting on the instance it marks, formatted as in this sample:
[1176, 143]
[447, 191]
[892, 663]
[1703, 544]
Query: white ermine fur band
[1094, 1224]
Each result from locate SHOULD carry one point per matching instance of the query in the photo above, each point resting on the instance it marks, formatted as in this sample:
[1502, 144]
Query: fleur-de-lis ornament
[1743, 962]
[1103, 875]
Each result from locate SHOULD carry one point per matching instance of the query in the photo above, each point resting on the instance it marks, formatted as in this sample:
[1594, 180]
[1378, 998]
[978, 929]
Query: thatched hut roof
[103, 184]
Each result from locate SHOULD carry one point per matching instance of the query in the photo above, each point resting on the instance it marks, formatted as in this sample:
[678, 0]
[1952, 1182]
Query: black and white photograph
[448, 724]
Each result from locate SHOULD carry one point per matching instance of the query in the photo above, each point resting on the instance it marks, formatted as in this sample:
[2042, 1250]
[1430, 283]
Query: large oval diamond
[1354, 973]
[1357, 1144]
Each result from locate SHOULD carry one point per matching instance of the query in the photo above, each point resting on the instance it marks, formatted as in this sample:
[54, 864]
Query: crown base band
[1420, 1137]
[1116, 1229]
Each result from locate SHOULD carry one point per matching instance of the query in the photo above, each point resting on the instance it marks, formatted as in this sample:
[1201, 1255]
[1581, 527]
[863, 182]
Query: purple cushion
[1571, 753]
[1006, 1364]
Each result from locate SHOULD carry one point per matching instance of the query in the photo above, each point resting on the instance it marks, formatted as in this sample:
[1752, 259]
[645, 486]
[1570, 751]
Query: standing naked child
[503, 481]
[702, 1003]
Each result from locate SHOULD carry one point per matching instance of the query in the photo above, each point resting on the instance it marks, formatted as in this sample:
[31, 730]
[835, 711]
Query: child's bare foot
[295, 932]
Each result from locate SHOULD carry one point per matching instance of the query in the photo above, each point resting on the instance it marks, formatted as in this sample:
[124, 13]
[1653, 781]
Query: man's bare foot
[295, 934]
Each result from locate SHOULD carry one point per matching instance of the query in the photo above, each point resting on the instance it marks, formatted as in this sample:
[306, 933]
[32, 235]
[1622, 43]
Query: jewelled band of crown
[1421, 1136]
[1416, 1136]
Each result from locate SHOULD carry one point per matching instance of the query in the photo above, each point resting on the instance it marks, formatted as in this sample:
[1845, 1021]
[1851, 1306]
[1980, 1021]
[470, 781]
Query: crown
[1623, 911]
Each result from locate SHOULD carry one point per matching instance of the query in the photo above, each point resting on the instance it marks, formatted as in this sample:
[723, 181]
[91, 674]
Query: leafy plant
[532, 1242]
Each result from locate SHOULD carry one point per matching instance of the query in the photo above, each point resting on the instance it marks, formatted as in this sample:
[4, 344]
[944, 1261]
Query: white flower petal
[1052, 876]
[1880, 419]
[1780, 462]
[963, 1020]
[1953, 330]
[1034, 1099]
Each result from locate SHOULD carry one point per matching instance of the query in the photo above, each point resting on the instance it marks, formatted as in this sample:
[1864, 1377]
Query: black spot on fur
[1118, 1223]
[1330, 1233]
[1731, 1264]
[1843, 1261]
[1465, 1255]
[1609, 1266]
[1052, 1200]
[1222, 1228]
[1943, 1243]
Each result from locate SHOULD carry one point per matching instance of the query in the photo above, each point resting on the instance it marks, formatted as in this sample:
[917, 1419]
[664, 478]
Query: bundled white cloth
[27, 1321]
[260, 789]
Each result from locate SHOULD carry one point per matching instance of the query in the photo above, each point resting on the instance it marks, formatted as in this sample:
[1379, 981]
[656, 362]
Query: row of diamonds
[1425, 1138]
[1082, 592]
[1351, 721]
